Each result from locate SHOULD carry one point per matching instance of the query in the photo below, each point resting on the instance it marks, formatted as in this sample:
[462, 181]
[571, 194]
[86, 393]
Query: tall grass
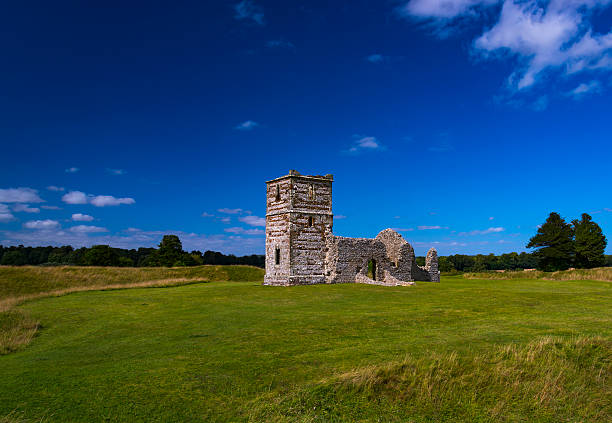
[596, 274]
[20, 284]
[550, 379]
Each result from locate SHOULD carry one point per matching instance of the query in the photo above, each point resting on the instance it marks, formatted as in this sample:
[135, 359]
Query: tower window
[311, 192]
[278, 193]
[277, 256]
[310, 221]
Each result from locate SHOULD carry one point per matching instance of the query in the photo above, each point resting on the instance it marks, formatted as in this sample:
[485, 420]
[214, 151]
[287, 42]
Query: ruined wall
[347, 260]
[431, 265]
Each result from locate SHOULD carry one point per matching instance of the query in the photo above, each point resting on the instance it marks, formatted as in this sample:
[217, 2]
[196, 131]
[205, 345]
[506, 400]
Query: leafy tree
[101, 255]
[555, 244]
[590, 243]
[170, 252]
[14, 258]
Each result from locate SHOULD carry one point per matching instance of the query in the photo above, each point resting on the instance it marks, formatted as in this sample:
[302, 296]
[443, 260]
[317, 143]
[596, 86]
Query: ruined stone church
[302, 249]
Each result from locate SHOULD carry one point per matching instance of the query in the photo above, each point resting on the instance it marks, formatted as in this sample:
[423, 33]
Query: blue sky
[462, 123]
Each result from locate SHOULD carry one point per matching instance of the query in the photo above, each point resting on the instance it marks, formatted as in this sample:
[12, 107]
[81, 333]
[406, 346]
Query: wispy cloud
[87, 229]
[542, 38]
[339, 216]
[363, 144]
[585, 89]
[19, 195]
[376, 58]
[239, 230]
[428, 228]
[253, 220]
[20, 207]
[5, 213]
[483, 232]
[41, 224]
[54, 188]
[280, 43]
[50, 207]
[78, 197]
[72, 170]
[116, 171]
[247, 125]
[247, 10]
[230, 211]
[403, 229]
[79, 217]
[207, 215]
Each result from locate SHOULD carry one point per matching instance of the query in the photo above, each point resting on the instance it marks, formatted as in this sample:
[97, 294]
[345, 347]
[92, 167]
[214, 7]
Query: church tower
[298, 220]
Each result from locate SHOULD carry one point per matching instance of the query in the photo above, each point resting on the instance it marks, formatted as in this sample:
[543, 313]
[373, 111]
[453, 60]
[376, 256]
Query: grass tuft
[550, 379]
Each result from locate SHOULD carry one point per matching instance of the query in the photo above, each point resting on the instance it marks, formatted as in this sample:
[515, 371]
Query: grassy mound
[547, 380]
[19, 284]
[597, 274]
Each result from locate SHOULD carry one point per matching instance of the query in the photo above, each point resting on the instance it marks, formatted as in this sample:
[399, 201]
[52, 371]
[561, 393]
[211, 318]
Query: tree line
[169, 253]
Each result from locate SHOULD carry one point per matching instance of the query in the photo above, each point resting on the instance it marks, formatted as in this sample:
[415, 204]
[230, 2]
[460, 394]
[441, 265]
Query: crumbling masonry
[301, 248]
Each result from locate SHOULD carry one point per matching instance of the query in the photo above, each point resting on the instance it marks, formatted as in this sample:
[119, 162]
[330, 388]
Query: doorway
[372, 269]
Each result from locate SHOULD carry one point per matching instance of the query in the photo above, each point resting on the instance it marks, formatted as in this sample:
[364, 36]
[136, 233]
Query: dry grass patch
[596, 274]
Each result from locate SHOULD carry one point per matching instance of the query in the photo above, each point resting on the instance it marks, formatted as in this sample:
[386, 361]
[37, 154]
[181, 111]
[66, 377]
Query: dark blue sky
[461, 123]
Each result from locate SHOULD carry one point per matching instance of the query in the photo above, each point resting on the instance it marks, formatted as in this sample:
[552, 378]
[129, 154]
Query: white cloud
[230, 211]
[72, 170]
[426, 228]
[20, 207]
[375, 58]
[207, 215]
[491, 218]
[79, 217]
[86, 229]
[54, 188]
[441, 9]
[403, 229]
[109, 200]
[543, 36]
[19, 195]
[253, 220]
[247, 10]
[238, 230]
[78, 197]
[5, 213]
[75, 197]
[247, 125]
[116, 171]
[41, 224]
[339, 216]
[584, 89]
[483, 232]
[50, 207]
[365, 144]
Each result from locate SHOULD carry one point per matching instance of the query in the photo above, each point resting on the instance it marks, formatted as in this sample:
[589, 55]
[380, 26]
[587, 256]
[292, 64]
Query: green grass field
[460, 350]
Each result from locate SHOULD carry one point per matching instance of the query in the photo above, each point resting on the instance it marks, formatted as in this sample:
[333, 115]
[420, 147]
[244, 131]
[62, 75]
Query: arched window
[310, 221]
[277, 256]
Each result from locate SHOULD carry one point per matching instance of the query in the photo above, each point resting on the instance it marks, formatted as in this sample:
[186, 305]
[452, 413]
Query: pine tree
[590, 243]
[555, 244]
